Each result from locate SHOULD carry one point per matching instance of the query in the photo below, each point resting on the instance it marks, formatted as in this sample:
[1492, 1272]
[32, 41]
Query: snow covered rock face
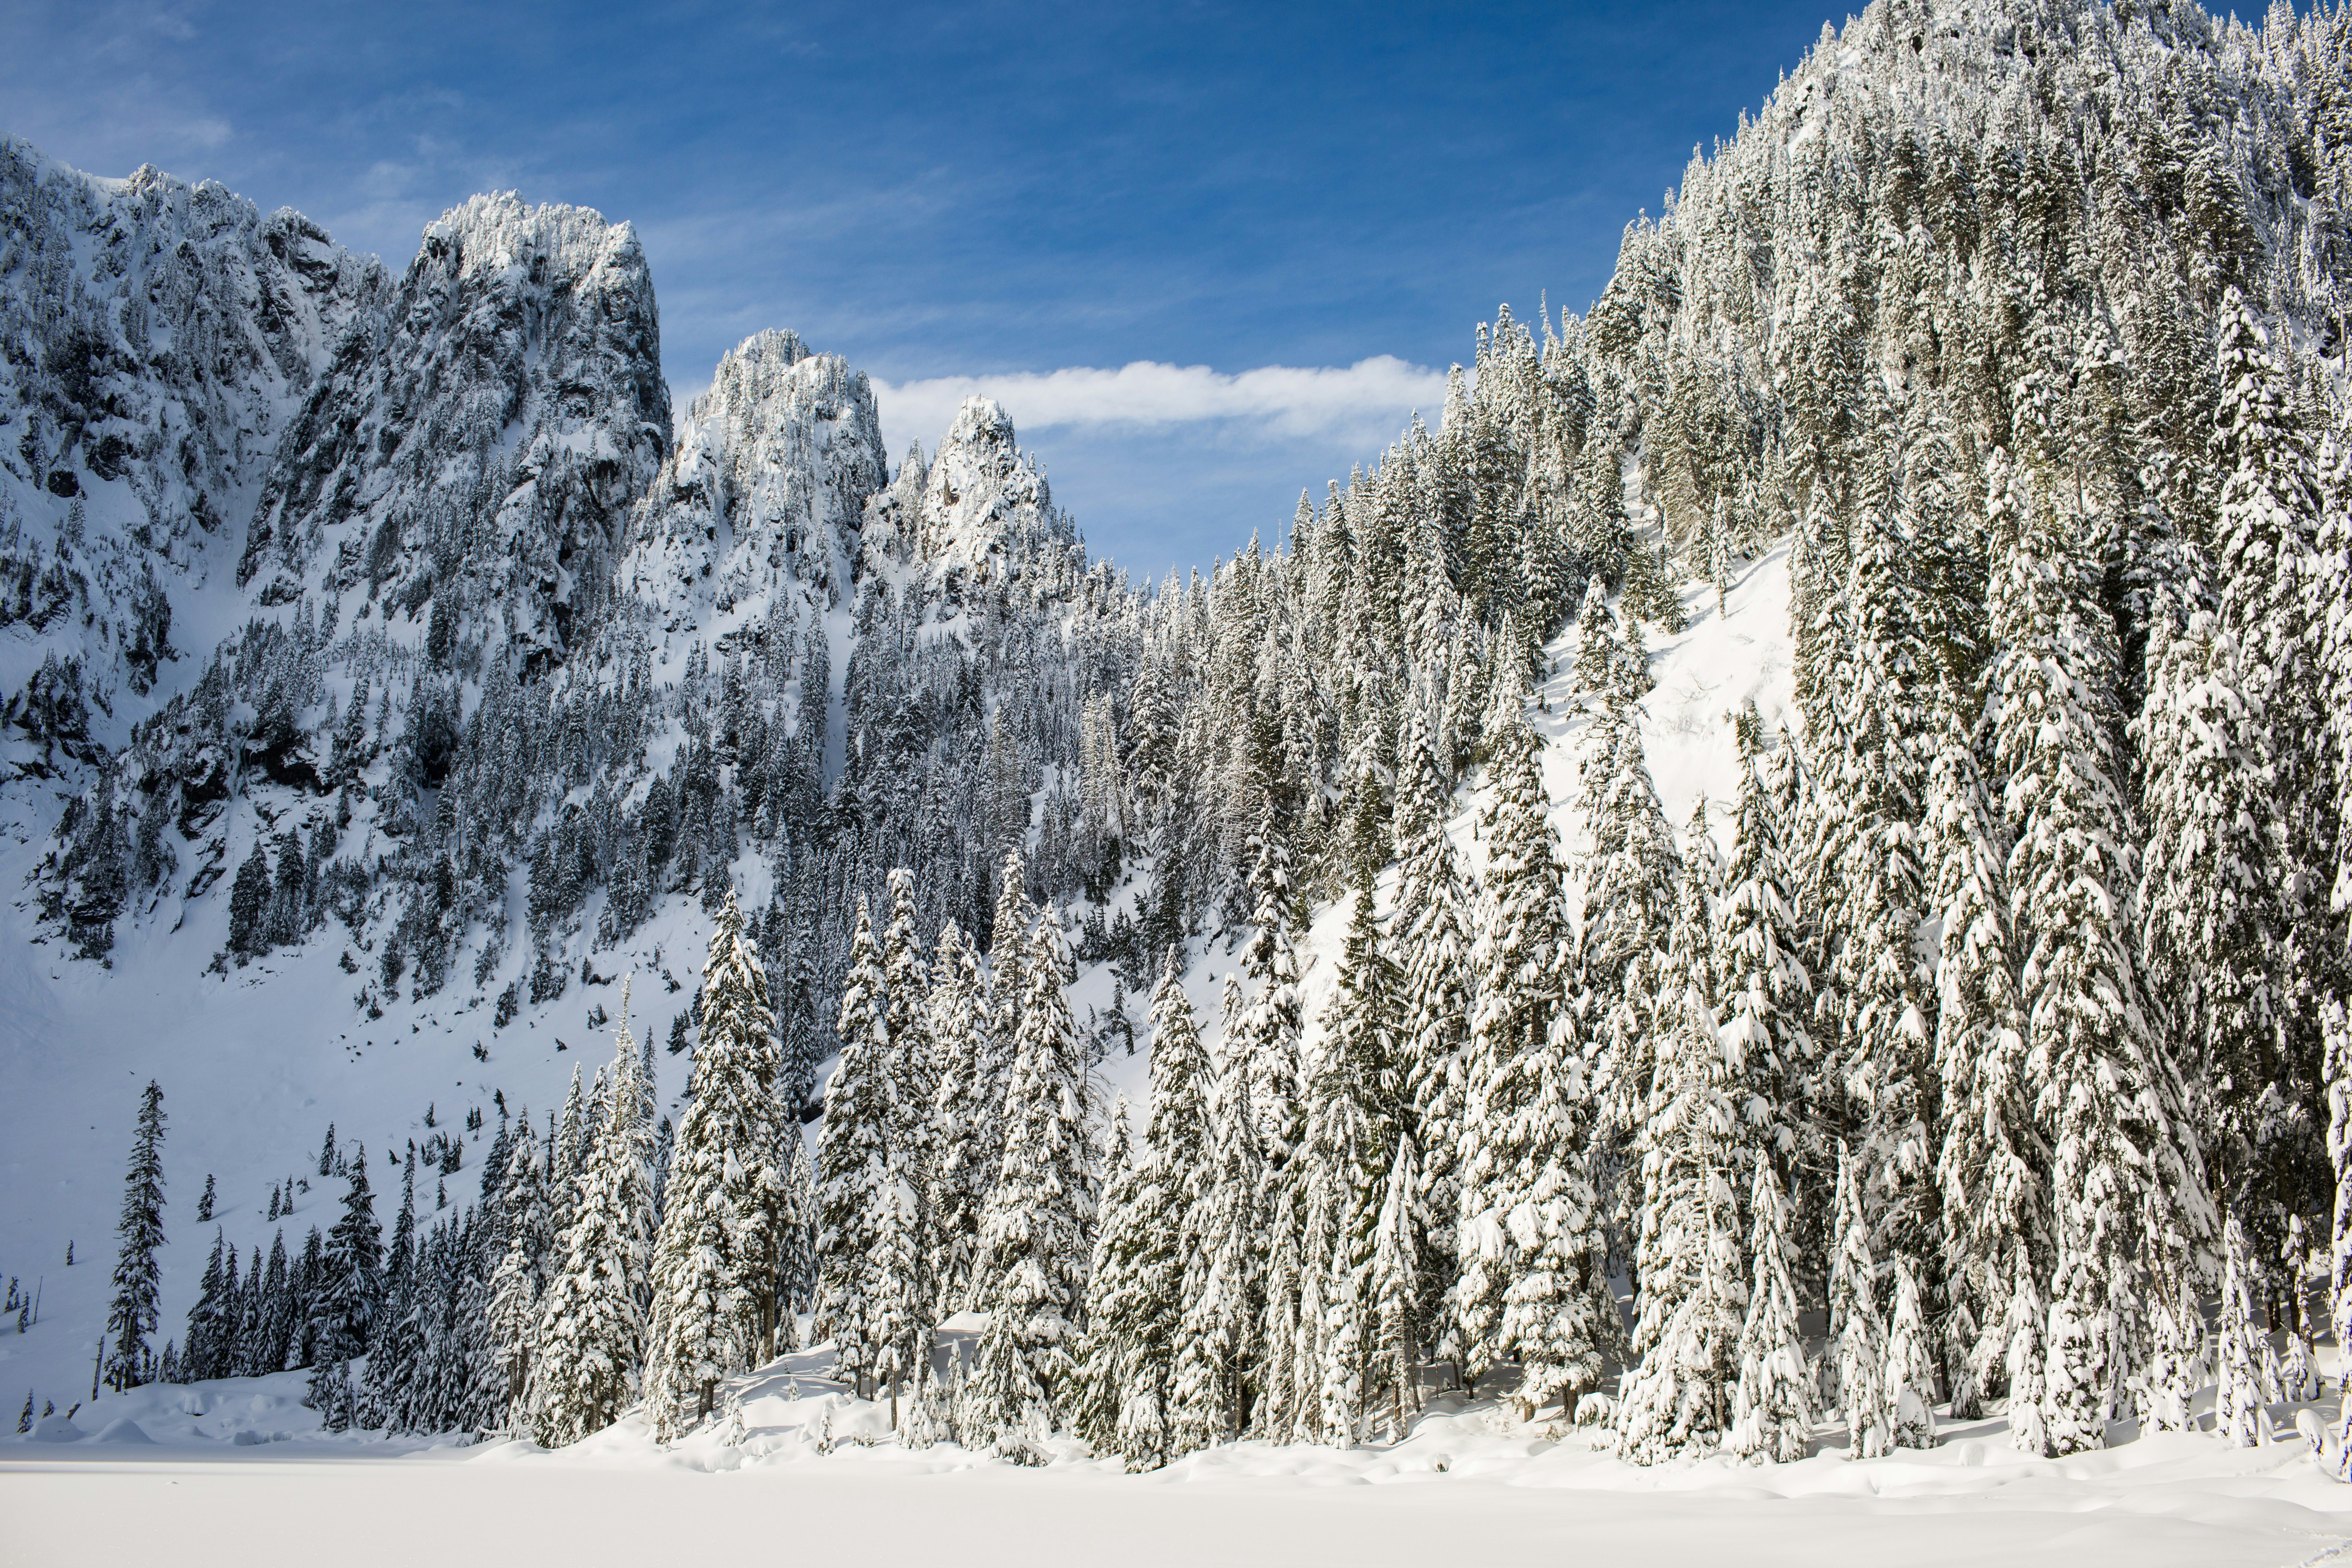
[157, 336]
[982, 503]
[480, 443]
[763, 493]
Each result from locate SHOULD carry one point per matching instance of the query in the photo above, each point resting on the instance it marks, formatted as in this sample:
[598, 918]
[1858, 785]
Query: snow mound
[55, 1429]
[122, 1429]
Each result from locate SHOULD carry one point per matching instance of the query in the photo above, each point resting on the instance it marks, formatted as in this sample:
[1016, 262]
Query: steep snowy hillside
[508, 641]
[257, 1063]
[161, 336]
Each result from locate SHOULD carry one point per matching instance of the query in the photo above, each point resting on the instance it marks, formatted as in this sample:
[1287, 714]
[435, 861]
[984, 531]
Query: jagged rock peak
[765, 485]
[497, 231]
[486, 435]
[981, 492]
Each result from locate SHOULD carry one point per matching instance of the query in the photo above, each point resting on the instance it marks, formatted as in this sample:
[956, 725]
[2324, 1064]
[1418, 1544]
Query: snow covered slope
[162, 336]
[479, 695]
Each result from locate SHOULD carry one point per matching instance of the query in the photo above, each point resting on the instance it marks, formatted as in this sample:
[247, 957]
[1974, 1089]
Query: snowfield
[217, 1462]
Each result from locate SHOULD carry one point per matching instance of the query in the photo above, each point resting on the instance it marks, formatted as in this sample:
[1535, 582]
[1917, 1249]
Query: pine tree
[1351, 1141]
[1692, 1298]
[913, 1064]
[1219, 1343]
[1262, 1039]
[2272, 601]
[592, 1339]
[2210, 933]
[1532, 1282]
[855, 1163]
[1909, 1383]
[132, 1315]
[968, 1103]
[796, 1269]
[2238, 1413]
[1991, 1160]
[1395, 1287]
[1857, 1332]
[351, 1287]
[2125, 1175]
[1772, 1412]
[1432, 940]
[520, 1274]
[1610, 671]
[396, 1351]
[567, 1143]
[1114, 1303]
[207, 1330]
[1148, 1259]
[716, 1307]
[900, 1326]
[1037, 1233]
[1630, 873]
[1762, 989]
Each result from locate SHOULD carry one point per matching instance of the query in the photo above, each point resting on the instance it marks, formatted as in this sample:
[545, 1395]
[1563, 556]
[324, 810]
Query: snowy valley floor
[238, 1472]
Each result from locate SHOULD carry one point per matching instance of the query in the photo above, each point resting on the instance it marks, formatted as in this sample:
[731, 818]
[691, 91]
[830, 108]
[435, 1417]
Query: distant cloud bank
[1365, 402]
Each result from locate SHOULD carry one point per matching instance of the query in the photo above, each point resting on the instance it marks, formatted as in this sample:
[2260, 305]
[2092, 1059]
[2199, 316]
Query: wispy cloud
[1365, 402]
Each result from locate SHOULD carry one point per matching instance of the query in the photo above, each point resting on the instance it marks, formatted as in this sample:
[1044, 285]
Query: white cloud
[1365, 402]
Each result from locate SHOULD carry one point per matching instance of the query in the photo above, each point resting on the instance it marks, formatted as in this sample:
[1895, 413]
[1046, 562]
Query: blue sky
[976, 191]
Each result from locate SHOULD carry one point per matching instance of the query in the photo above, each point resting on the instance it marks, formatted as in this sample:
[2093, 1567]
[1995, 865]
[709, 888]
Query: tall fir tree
[1762, 989]
[207, 1326]
[2125, 1178]
[1149, 1260]
[1219, 1344]
[2273, 603]
[717, 1310]
[1036, 1235]
[1533, 1279]
[966, 1108]
[1857, 1328]
[2239, 1416]
[1262, 1035]
[587, 1366]
[913, 1064]
[1432, 941]
[1693, 1295]
[1350, 1141]
[520, 1274]
[348, 1295]
[1772, 1410]
[132, 1316]
[855, 1163]
[1113, 1295]
[1991, 1158]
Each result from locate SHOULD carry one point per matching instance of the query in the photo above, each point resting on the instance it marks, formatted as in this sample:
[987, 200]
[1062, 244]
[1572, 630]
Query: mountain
[391, 671]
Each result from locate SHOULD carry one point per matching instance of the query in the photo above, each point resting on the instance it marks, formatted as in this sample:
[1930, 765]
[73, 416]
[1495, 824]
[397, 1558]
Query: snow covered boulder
[122, 1429]
[55, 1429]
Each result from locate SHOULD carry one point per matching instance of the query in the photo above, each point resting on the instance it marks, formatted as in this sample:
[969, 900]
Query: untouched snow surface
[218, 1465]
